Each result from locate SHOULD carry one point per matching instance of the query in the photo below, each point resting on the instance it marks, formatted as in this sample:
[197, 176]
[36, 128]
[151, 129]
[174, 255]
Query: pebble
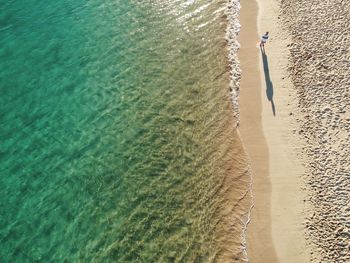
[319, 65]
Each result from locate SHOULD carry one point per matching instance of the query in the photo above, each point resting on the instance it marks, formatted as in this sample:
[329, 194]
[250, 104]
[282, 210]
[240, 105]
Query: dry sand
[295, 125]
[276, 232]
[319, 65]
[259, 229]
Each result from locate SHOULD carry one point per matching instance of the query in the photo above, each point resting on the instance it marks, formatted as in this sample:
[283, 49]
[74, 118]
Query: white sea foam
[233, 28]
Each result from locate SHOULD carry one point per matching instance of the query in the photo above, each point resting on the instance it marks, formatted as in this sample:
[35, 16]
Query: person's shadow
[269, 85]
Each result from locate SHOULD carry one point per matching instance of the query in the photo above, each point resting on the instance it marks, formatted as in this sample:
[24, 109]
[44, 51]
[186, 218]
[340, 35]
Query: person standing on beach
[264, 39]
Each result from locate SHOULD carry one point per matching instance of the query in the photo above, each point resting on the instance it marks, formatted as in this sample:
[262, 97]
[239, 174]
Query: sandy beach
[319, 66]
[275, 233]
[259, 229]
[294, 123]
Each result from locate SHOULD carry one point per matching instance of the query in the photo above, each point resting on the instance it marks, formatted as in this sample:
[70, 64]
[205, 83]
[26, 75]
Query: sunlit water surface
[117, 140]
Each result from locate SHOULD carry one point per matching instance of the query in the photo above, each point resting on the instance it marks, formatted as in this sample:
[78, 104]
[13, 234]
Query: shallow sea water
[117, 138]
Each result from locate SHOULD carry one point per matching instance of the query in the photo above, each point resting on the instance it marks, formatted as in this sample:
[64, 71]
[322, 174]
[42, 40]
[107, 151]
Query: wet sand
[276, 232]
[260, 246]
[295, 125]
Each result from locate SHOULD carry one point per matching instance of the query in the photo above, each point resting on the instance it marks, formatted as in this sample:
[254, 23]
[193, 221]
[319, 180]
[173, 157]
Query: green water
[114, 131]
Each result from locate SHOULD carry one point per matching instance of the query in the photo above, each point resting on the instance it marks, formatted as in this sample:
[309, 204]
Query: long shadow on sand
[269, 85]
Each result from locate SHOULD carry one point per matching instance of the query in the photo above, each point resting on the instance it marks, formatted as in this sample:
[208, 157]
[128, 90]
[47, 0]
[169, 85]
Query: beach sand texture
[295, 126]
[259, 230]
[320, 69]
[275, 233]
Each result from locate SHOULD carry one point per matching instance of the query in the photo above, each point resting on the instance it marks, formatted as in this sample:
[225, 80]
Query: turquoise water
[117, 143]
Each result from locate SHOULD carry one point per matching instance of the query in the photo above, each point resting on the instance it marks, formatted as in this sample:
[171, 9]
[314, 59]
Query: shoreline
[276, 232]
[260, 246]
